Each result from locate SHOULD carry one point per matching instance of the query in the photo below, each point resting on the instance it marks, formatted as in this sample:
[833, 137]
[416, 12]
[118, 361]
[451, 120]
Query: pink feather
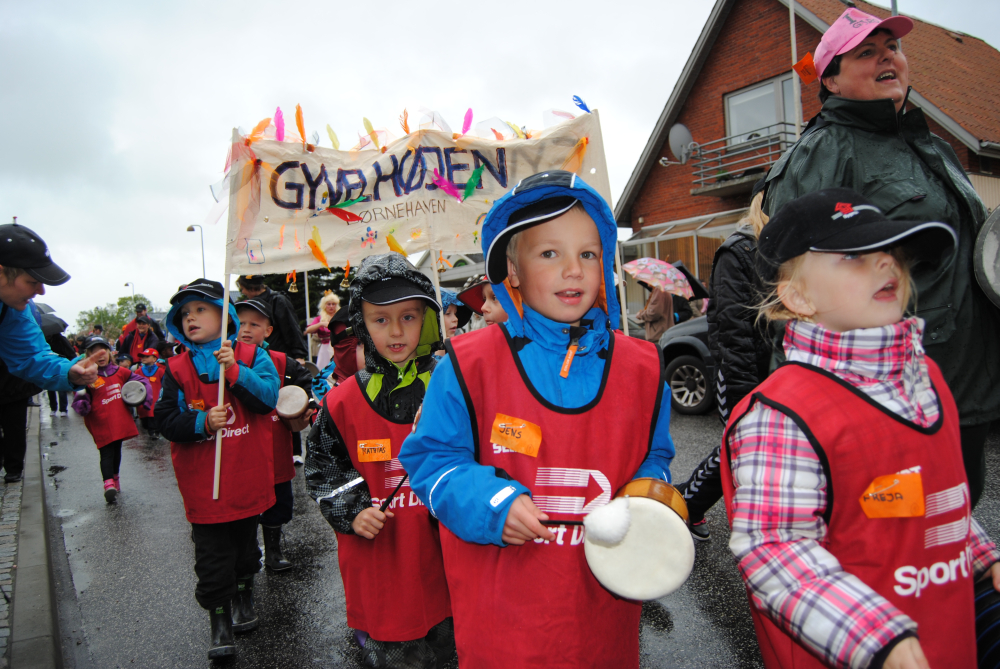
[467, 123]
[447, 186]
[279, 125]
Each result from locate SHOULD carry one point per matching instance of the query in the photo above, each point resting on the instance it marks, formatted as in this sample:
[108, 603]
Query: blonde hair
[324, 318]
[755, 216]
[772, 308]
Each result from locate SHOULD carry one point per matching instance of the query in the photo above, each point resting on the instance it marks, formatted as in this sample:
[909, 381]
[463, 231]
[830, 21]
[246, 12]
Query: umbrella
[660, 274]
[44, 308]
[700, 292]
[53, 325]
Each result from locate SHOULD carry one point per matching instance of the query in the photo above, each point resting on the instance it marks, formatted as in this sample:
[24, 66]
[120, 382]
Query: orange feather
[300, 124]
[404, 122]
[258, 130]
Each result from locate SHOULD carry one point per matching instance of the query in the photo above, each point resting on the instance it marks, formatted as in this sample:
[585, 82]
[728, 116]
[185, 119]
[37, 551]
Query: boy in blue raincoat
[529, 425]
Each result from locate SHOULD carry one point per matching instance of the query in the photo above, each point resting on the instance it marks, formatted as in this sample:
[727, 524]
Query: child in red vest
[153, 371]
[529, 425]
[105, 414]
[842, 472]
[255, 327]
[389, 546]
[224, 530]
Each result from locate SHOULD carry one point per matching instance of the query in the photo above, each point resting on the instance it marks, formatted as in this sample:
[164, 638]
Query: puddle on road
[55, 469]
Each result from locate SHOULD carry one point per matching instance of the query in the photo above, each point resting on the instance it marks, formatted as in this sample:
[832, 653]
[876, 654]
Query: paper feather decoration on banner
[343, 215]
[445, 185]
[279, 125]
[258, 131]
[404, 122]
[517, 131]
[281, 241]
[371, 132]
[470, 186]
[333, 137]
[316, 246]
[300, 123]
[578, 101]
[467, 123]
[575, 160]
[394, 246]
[348, 203]
[497, 135]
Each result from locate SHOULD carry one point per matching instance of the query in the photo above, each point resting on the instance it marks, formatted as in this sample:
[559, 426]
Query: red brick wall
[753, 45]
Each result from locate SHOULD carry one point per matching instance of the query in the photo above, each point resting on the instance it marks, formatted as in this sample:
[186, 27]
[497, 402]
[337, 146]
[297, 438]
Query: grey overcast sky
[117, 115]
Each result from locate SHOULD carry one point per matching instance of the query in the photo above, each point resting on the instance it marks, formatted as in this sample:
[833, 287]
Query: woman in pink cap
[865, 139]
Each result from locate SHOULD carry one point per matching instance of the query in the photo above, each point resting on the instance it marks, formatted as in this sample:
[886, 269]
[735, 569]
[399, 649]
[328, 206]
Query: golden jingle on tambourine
[638, 546]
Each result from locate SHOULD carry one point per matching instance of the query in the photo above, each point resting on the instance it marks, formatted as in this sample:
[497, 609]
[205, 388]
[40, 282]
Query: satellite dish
[680, 141]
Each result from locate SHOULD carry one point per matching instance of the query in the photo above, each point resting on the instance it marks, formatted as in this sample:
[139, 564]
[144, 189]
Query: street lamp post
[191, 228]
[129, 283]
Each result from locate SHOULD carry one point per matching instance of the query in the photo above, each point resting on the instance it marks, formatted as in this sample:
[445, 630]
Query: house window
[985, 164]
[758, 110]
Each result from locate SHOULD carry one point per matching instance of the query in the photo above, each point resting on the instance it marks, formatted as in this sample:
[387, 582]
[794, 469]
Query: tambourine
[639, 546]
[986, 257]
[133, 393]
[311, 368]
[293, 403]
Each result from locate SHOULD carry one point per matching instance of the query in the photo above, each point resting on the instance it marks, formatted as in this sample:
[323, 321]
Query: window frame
[779, 103]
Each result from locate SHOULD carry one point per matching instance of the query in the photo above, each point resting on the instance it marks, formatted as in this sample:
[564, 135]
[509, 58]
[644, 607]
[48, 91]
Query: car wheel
[690, 392]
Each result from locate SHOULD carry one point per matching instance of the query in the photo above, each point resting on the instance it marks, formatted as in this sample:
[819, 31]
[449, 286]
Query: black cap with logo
[202, 288]
[20, 247]
[257, 305]
[840, 220]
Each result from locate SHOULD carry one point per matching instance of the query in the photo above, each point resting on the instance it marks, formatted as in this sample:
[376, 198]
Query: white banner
[287, 201]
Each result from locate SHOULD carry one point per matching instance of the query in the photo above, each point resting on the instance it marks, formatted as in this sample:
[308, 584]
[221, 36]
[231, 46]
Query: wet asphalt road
[125, 580]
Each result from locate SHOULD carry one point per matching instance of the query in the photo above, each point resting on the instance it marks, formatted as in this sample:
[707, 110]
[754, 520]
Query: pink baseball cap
[850, 29]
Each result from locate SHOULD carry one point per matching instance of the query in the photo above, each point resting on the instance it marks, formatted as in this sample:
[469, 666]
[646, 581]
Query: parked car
[690, 367]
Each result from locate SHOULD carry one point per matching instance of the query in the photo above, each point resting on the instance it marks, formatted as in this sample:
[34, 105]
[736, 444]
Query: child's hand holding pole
[524, 523]
[216, 419]
[370, 522]
[225, 355]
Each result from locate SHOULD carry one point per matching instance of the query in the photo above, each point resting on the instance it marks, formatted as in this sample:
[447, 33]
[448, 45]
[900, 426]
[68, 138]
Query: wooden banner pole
[222, 389]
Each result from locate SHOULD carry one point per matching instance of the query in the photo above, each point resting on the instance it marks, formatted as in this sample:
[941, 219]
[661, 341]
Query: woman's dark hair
[833, 69]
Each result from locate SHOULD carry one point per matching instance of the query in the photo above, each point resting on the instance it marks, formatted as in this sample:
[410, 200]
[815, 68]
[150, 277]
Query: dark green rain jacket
[911, 174]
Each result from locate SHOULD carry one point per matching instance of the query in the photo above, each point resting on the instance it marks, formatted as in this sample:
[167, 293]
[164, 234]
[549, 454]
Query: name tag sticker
[894, 496]
[198, 405]
[517, 435]
[374, 450]
[98, 383]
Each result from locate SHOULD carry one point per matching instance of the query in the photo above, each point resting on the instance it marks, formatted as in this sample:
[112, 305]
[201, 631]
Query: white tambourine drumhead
[653, 560]
[311, 368]
[133, 393]
[292, 402]
[986, 257]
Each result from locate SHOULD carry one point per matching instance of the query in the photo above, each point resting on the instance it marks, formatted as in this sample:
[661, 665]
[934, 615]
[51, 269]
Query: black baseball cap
[95, 340]
[20, 247]
[522, 219]
[140, 307]
[393, 289]
[840, 220]
[256, 305]
[202, 288]
[144, 319]
[250, 279]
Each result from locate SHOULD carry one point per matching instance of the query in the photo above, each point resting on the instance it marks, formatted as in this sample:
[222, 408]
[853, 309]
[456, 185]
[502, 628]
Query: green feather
[348, 203]
[473, 182]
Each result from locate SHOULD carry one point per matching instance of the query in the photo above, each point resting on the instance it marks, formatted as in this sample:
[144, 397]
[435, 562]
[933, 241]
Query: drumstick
[388, 500]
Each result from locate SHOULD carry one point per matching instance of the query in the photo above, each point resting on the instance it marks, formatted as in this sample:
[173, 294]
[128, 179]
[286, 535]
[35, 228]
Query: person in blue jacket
[557, 370]
[25, 269]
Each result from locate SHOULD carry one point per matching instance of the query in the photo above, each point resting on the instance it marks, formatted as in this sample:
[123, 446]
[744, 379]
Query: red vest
[109, 419]
[921, 564]
[156, 381]
[246, 485]
[138, 344]
[394, 584]
[539, 605]
[284, 467]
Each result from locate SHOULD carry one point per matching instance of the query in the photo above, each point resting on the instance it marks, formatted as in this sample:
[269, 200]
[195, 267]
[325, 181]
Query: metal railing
[737, 156]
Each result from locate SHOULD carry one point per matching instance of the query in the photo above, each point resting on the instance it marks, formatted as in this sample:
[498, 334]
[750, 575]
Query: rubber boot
[244, 615]
[273, 559]
[221, 618]
[118, 484]
[110, 492]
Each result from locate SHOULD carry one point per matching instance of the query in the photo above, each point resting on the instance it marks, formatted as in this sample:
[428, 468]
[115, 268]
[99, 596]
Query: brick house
[735, 97]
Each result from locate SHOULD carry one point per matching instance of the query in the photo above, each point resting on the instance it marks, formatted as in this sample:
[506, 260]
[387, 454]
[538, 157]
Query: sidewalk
[27, 625]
